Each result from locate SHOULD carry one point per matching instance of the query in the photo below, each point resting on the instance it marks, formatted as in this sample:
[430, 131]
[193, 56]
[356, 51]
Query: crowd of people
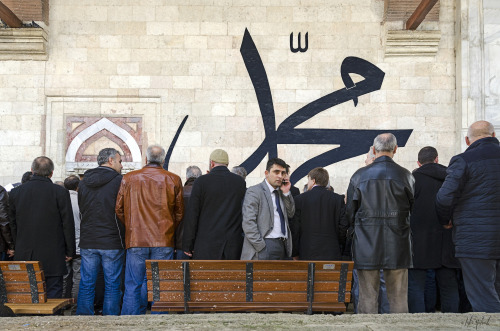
[415, 237]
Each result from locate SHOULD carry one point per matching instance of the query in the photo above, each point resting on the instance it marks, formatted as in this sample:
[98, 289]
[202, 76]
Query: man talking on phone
[266, 210]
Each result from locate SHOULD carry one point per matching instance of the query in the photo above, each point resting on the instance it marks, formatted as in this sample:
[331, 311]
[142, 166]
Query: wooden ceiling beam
[9, 17]
[419, 14]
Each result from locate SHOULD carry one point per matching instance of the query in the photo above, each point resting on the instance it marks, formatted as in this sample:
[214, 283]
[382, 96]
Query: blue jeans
[135, 299]
[383, 302]
[112, 265]
[418, 293]
[180, 255]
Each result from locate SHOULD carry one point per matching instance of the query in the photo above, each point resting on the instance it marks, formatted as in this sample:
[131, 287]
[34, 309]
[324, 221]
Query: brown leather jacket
[151, 206]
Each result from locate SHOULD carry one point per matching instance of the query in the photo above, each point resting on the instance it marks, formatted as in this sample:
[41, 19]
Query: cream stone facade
[162, 60]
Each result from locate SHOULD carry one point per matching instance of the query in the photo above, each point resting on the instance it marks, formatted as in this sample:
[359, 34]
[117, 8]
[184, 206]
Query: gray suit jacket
[258, 219]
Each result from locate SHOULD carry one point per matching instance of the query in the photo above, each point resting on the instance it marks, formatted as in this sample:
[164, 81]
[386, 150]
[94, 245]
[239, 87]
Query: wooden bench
[195, 285]
[22, 289]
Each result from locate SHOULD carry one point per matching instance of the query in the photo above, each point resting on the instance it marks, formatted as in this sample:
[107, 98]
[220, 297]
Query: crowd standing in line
[430, 234]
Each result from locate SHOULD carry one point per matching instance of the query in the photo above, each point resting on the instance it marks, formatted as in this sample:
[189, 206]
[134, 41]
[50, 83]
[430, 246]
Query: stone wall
[163, 60]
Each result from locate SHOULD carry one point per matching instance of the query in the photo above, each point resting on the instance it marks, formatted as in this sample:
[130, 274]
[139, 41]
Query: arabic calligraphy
[352, 142]
[299, 48]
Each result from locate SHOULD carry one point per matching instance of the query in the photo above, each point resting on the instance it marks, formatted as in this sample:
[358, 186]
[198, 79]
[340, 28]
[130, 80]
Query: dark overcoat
[432, 244]
[319, 226]
[379, 201]
[41, 220]
[470, 198]
[212, 227]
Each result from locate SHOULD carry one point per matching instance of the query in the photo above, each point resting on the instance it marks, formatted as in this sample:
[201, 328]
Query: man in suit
[42, 224]
[320, 227]
[212, 229]
[266, 210]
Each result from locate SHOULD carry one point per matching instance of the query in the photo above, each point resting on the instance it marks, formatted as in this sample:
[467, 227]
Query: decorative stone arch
[74, 166]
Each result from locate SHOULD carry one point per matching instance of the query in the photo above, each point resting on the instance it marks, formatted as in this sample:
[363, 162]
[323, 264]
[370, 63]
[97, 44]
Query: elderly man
[266, 210]
[212, 230]
[151, 206]
[192, 173]
[379, 200]
[101, 234]
[469, 201]
[42, 224]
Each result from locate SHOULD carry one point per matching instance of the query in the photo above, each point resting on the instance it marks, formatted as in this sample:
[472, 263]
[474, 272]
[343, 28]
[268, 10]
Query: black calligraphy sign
[352, 142]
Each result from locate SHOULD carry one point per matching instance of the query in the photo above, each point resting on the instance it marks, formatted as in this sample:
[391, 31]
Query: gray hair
[42, 166]
[385, 142]
[105, 154]
[193, 172]
[480, 129]
[240, 171]
[155, 154]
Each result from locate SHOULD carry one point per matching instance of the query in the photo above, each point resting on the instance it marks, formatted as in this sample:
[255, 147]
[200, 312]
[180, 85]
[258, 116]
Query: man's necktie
[280, 212]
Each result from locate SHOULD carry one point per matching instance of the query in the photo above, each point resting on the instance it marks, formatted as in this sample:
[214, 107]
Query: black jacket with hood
[432, 244]
[100, 228]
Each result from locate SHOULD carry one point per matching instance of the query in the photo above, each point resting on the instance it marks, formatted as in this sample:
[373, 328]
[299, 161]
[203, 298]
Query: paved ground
[438, 321]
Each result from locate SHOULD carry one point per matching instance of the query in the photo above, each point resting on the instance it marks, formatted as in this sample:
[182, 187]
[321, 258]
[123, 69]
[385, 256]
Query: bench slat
[291, 286]
[24, 297]
[241, 265]
[23, 287]
[257, 275]
[22, 276]
[249, 306]
[7, 266]
[222, 296]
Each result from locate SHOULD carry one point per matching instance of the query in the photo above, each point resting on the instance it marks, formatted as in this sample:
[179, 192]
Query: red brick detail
[29, 10]
[80, 157]
[401, 10]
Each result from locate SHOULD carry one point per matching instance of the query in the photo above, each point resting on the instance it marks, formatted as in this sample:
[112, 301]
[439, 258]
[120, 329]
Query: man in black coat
[319, 226]
[101, 234]
[379, 201]
[42, 223]
[212, 229]
[432, 244]
[469, 201]
[6, 240]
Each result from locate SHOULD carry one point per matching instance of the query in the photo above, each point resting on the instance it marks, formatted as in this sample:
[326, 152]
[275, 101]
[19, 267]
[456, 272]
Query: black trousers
[54, 286]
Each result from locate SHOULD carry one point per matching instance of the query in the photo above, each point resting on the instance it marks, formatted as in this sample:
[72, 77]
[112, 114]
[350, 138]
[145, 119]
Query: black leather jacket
[379, 201]
[6, 241]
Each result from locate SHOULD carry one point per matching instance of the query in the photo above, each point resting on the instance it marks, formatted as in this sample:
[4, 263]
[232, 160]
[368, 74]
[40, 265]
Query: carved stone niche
[23, 44]
[86, 136]
[412, 43]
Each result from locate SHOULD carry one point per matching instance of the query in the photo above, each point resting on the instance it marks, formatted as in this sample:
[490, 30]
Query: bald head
[479, 130]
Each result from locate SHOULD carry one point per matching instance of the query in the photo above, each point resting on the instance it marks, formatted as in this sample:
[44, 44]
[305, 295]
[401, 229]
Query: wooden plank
[222, 296]
[9, 17]
[23, 287]
[46, 308]
[201, 286]
[14, 297]
[8, 266]
[288, 286]
[241, 275]
[419, 14]
[201, 275]
[241, 265]
[22, 276]
[295, 297]
[249, 306]
[201, 296]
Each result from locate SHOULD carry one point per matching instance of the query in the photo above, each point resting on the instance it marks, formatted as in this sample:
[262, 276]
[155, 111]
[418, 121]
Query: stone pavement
[253, 321]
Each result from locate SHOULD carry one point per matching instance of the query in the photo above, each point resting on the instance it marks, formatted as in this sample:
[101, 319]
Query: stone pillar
[478, 68]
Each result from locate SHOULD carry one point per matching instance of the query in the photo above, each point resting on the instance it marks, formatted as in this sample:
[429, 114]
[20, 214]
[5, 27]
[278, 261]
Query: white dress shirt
[276, 231]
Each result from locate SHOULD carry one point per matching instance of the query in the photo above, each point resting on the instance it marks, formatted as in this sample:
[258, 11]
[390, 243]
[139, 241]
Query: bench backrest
[249, 281]
[22, 282]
